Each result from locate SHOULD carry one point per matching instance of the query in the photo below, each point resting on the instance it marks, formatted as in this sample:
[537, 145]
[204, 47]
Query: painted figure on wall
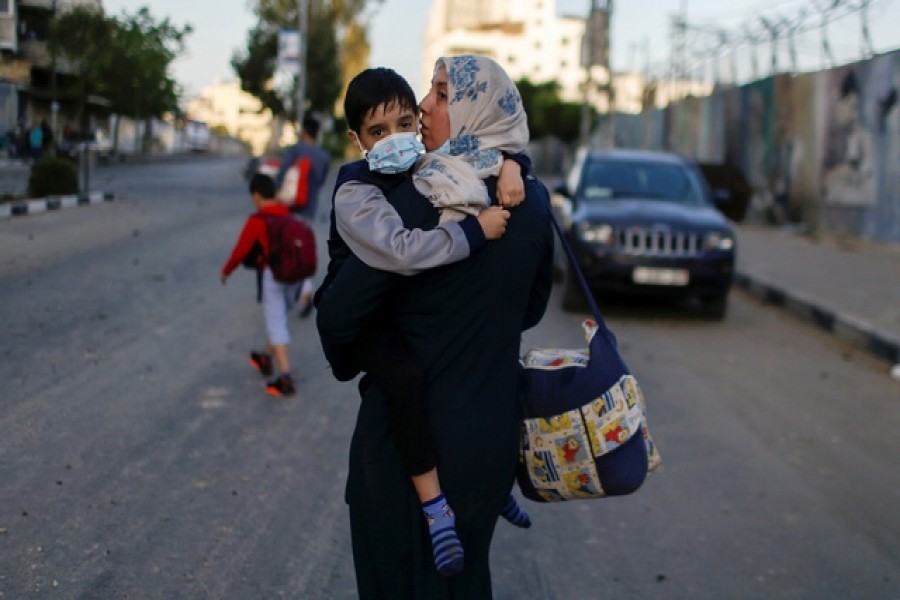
[758, 118]
[849, 162]
[885, 84]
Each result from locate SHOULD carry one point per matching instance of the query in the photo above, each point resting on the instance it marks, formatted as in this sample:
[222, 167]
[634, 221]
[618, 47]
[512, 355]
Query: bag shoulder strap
[575, 270]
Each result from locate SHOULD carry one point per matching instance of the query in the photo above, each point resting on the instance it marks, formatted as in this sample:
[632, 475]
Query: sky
[640, 32]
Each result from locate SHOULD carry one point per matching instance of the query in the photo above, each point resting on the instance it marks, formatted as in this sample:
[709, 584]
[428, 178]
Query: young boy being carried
[251, 250]
[381, 112]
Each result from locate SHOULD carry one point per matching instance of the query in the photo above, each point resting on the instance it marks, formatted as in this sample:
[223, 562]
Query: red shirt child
[253, 237]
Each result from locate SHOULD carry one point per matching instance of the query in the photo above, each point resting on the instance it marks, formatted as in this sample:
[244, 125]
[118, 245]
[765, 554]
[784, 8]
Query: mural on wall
[712, 142]
[857, 192]
[781, 173]
[731, 127]
[884, 88]
[818, 149]
[848, 165]
[758, 109]
[685, 132]
[805, 163]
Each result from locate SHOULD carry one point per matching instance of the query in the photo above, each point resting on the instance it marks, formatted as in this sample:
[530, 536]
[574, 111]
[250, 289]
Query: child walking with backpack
[280, 271]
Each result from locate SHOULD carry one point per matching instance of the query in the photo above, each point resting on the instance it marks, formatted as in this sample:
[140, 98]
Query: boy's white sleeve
[375, 233]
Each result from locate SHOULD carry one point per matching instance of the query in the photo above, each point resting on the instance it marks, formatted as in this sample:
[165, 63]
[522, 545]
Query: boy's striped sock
[448, 551]
[513, 513]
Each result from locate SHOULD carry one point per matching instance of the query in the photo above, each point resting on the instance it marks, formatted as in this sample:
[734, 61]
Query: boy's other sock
[513, 513]
[448, 551]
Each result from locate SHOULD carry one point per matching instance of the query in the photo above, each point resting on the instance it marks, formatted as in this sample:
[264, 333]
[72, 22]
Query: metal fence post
[84, 168]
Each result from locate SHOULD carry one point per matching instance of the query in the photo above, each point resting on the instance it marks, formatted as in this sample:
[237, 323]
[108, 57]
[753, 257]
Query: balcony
[53, 4]
[37, 53]
[8, 34]
[15, 70]
[45, 4]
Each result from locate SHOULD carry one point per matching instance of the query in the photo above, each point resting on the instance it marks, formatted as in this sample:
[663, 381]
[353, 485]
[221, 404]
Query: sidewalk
[848, 287]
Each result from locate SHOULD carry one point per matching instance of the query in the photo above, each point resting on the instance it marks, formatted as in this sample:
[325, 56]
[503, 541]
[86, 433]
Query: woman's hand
[493, 222]
[510, 189]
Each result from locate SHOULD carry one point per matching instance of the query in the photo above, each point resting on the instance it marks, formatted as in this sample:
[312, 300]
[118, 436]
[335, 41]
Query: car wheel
[573, 299]
[716, 307]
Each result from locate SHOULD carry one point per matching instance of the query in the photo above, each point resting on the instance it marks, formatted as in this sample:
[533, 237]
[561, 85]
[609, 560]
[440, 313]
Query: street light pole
[303, 26]
[588, 50]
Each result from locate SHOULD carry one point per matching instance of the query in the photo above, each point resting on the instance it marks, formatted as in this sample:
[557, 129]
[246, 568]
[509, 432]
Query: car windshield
[609, 179]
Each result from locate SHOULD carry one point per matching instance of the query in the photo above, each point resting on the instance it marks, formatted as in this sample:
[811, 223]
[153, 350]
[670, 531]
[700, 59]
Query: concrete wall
[821, 149]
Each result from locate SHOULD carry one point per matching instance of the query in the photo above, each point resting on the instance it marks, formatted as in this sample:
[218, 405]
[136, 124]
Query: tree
[138, 82]
[547, 113]
[79, 36]
[123, 59]
[333, 27]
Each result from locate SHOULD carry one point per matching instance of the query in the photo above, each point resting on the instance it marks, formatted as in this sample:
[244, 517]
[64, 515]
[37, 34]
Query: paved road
[140, 457]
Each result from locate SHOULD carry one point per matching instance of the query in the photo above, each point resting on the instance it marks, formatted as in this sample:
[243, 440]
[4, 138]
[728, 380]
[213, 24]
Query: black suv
[645, 223]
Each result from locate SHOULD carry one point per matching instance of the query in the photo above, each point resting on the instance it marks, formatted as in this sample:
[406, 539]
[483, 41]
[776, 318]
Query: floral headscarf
[486, 119]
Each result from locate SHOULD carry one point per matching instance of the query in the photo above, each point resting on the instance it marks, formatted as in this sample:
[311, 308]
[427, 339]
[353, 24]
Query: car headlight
[718, 241]
[595, 233]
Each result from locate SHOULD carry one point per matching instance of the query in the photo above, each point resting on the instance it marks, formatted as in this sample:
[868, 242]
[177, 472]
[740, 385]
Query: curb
[847, 328]
[40, 205]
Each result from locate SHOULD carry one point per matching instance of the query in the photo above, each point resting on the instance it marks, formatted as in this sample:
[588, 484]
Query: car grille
[639, 241]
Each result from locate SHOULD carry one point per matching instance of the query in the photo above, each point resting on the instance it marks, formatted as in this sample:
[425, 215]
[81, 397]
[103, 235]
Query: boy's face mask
[396, 153]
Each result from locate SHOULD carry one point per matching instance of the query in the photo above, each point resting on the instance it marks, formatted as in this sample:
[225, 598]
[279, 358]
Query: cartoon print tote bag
[584, 433]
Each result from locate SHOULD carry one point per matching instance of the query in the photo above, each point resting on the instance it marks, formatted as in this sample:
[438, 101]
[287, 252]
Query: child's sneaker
[263, 362]
[283, 385]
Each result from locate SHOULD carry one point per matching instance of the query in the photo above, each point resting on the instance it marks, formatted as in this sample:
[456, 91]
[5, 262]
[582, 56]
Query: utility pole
[791, 29]
[303, 27]
[773, 36]
[754, 39]
[824, 12]
[867, 50]
[54, 92]
[678, 60]
[595, 51]
[584, 131]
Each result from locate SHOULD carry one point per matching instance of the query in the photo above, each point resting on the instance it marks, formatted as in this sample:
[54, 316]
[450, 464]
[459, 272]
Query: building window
[511, 59]
[564, 41]
[537, 45]
[6, 8]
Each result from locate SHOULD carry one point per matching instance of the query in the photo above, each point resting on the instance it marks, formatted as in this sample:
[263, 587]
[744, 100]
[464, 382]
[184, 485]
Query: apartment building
[526, 37]
[529, 39]
[26, 74]
[226, 105]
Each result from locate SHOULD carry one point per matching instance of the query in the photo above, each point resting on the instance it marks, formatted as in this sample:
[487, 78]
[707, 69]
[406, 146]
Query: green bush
[52, 177]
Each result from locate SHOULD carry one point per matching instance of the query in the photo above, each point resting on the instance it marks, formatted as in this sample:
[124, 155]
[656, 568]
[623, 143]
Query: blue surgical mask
[395, 154]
